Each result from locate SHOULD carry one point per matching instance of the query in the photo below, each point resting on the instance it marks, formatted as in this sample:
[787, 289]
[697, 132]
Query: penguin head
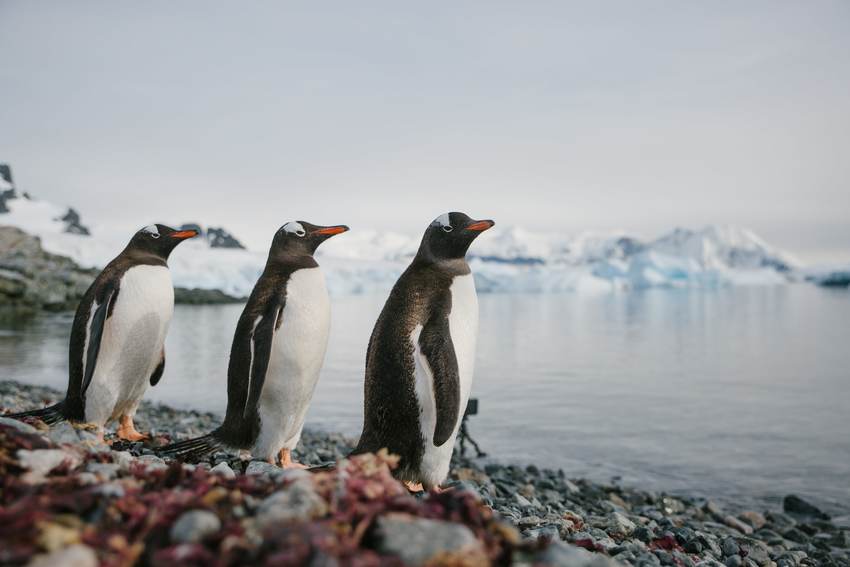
[301, 238]
[159, 240]
[449, 236]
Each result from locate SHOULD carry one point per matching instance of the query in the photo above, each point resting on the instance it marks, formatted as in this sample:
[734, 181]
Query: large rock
[796, 506]
[417, 541]
[32, 278]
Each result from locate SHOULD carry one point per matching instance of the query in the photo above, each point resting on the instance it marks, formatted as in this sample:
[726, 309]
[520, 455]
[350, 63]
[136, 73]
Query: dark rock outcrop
[33, 279]
[73, 224]
[196, 296]
[217, 237]
[221, 238]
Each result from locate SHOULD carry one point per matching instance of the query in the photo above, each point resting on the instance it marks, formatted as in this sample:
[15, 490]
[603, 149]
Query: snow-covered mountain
[503, 260]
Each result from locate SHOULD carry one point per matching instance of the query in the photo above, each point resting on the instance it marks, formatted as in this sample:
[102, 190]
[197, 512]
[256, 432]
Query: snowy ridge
[503, 260]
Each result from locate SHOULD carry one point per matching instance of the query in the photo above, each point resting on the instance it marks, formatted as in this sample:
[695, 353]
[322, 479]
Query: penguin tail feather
[191, 449]
[51, 415]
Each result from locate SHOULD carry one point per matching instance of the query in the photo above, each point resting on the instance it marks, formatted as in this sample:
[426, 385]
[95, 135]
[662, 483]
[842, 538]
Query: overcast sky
[558, 116]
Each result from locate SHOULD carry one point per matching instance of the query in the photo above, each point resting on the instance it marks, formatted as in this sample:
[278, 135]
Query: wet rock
[796, 506]
[194, 526]
[417, 541]
[77, 555]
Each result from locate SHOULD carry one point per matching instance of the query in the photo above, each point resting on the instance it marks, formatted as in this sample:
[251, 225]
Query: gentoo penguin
[421, 355]
[118, 335]
[277, 352]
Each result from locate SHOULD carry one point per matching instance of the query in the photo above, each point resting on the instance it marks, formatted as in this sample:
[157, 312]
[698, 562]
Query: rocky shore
[68, 499]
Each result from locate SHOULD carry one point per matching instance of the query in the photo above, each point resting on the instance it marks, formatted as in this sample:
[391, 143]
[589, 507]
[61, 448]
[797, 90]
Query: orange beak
[331, 230]
[480, 226]
[184, 234]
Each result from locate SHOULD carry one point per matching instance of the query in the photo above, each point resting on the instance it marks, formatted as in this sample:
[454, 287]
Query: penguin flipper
[98, 321]
[262, 339]
[435, 343]
[160, 368]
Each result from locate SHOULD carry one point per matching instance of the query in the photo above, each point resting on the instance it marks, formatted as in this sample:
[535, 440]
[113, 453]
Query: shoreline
[628, 525]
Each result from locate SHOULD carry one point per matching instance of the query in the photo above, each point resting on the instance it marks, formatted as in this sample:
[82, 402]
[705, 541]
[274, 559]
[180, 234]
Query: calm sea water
[742, 394]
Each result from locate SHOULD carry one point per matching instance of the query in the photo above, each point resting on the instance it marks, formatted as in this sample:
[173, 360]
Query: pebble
[41, 461]
[297, 501]
[76, 555]
[106, 471]
[617, 525]
[19, 425]
[417, 540]
[756, 520]
[63, 432]
[223, 469]
[620, 525]
[262, 467]
[737, 524]
[152, 462]
[193, 526]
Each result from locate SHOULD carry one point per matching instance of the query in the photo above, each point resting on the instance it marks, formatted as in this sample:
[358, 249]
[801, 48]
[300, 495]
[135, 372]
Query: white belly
[132, 342]
[463, 327]
[296, 360]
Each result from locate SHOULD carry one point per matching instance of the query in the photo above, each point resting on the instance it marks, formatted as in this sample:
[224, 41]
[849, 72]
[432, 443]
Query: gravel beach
[230, 511]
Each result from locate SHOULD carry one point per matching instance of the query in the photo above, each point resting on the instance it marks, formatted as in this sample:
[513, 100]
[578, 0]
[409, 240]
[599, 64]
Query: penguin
[276, 355]
[118, 335]
[421, 354]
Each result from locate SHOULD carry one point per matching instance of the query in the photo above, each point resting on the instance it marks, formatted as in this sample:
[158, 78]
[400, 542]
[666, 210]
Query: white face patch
[294, 228]
[152, 230]
[443, 221]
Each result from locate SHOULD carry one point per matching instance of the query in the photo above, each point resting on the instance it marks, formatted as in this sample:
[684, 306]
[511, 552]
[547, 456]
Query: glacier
[504, 260]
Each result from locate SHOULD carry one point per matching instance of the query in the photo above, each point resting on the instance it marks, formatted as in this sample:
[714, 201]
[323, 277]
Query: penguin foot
[413, 486]
[127, 430]
[286, 461]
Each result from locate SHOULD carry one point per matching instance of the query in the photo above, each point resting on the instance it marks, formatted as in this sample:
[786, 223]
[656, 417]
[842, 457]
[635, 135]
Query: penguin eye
[154, 234]
[447, 228]
[300, 233]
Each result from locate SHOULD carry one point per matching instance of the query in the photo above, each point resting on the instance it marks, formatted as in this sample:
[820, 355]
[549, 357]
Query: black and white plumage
[118, 334]
[277, 352]
[421, 355]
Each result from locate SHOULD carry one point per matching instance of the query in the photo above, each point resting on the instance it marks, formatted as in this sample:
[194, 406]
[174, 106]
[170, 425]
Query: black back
[421, 296]
[151, 245]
